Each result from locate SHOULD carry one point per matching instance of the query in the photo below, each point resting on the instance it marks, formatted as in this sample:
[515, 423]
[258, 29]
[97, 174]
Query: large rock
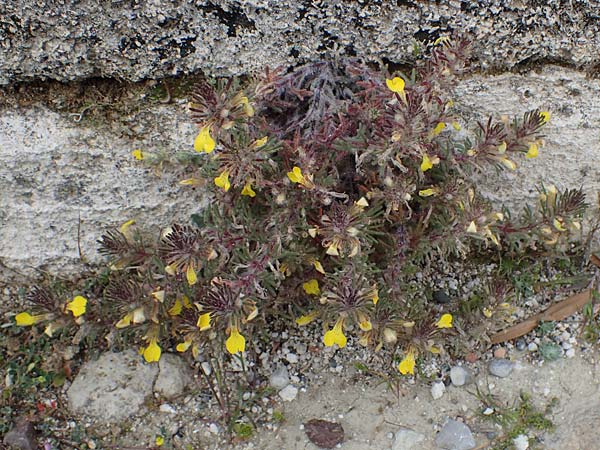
[142, 39]
[112, 388]
[55, 171]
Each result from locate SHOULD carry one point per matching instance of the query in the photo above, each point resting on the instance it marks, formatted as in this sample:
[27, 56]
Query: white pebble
[288, 393]
[488, 411]
[292, 358]
[532, 347]
[213, 428]
[521, 442]
[166, 408]
[437, 390]
[570, 353]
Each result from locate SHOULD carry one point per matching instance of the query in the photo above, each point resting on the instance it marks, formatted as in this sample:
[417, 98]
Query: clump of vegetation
[328, 185]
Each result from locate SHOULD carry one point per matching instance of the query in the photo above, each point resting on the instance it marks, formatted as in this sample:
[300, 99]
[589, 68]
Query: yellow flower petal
[159, 295]
[365, 325]
[50, 329]
[533, 151]
[456, 126]
[159, 440]
[545, 116]
[125, 227]
[396, 85]
[362, 202]
[190, 274]
[558, 225]
[375, 296]
[260, 142]
[25, 319]
[426, 163]
[171, 269]
[77, 306]
[335, 335]
[427, 192]
[445, 321]
[311, 287]
[439, 128]
[407, 365]
[296, 176]
[175, 310]
[138, 315]
[186, 302]
[247, 190]
[319, 267]
[204, 322]
[183, 346]
[508, 163]
[332, 250]
[236, 343]
[222, 181]
[125, 321]
[152, 352]
[204, 142]
[472, 228]
[306, 319]
[502, 148]
[138, 154]
[312, 232]
[487, 312]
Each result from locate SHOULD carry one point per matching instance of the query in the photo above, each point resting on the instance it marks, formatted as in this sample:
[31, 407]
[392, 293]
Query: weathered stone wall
[139, 39]
[63, 182]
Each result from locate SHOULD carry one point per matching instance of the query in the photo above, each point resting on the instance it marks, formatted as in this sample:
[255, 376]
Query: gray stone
[501, 368]
[460, 376]
[174, 376]
[521, 442]
[289, 393]
[455, 436]
[279, 378]
[437, 390]
[21, 436]
[406, 439]
[64, 41]
[112, 388]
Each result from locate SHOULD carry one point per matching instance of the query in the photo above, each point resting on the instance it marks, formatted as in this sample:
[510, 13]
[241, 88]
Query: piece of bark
[558, 311]
[324, 434]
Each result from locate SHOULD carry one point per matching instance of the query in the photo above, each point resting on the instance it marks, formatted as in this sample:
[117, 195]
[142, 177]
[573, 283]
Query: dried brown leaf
[323, 433]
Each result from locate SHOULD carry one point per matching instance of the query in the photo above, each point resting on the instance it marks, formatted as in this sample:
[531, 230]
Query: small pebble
[570, 353]
[455, 436]
[437, 390]
[440, 297]
[166, 408]
[292, 358]
[501, 368]
[521, 345]
[500, 353]
[532, 347]
[488, 411]
[213, 428]
[289, 393]
[279, 378]
[459, 376]
[521, 442]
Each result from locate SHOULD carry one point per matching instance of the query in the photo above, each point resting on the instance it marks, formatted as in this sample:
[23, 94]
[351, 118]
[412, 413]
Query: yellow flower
[335, 335]
[396, 85]
[260, 142]
[487, 312]
[203, 322]
[183, 346]
[175, 310]
[545, 116]
[25, 319]
[77, 306]
[296, 176]
[362, 202]
[124, 229]
[247, 190]
[125, 321]
[445, 321]
[159, 440]
[248, 109]
[306, 319]
[375, 296]
[407, 365]
[235, 342]
[472, 228]
[332, 249]
[319, 267]
[152, 352]
[427, 192]
[558, 225]
[456, 126]
[439, 128]
[311, 287]
[426, 163]
[138, 154]
[190, 274]
[204, 142]
[508, 163]
[365, 324]
[222, 181]
[159, 295]
[533, 151]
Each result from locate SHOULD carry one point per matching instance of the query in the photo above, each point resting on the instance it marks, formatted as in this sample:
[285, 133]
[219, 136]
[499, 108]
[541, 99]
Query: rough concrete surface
[55, 172]
[142, 39]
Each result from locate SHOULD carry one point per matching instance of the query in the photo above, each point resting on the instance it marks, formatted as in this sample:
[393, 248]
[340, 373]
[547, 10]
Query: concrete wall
[63, 182]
